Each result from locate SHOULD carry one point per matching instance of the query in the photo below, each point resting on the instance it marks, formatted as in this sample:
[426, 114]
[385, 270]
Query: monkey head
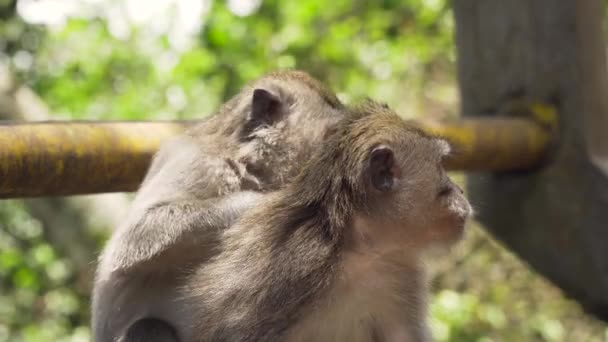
[287, 115]
[406, 176]
[403, 187]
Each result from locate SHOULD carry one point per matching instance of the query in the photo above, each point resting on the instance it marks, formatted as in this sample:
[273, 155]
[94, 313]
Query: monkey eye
[445, 191]
[254, 169]
[446, 187]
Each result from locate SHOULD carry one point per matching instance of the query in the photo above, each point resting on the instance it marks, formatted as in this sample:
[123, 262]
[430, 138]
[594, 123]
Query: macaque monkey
[337, 254]
[199, 184]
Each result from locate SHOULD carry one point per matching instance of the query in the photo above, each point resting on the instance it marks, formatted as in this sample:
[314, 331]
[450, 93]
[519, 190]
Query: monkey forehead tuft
[444, 147]
[303, 78]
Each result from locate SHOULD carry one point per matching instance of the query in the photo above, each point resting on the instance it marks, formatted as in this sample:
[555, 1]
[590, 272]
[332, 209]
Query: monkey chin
[444, 238]
[456, 229]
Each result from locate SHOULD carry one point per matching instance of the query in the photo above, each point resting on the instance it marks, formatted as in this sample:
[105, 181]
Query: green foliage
[400, 52]
[37, 302]
[361, 48]
[484, 293]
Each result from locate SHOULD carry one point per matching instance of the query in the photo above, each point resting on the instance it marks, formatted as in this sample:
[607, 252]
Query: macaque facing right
[337, 255]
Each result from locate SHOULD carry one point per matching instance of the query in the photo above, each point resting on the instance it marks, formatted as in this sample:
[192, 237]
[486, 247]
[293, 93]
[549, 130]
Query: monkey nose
[459, 189]
[463, 210]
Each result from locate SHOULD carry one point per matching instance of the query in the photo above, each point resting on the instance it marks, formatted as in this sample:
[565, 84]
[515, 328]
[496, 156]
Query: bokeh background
[178, 59]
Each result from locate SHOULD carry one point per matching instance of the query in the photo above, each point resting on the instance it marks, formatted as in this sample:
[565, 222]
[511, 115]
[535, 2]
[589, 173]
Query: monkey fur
[199, 184]
[338, 253]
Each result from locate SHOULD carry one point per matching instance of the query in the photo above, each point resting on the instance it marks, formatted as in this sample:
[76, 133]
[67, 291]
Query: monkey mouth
[458, 222]
[460, 226]
[462, 221]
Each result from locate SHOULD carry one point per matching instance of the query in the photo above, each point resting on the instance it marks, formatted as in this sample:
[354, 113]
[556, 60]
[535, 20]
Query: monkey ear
[266, 106]
[382, 168]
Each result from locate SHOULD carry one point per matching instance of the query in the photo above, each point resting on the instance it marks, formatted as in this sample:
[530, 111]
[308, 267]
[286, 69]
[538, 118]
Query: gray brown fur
[331, 257]
[150, 330]
[198, 185]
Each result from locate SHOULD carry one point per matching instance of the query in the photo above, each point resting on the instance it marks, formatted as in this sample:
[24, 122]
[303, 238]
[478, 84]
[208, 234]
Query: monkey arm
[141, 266]
[177, 232]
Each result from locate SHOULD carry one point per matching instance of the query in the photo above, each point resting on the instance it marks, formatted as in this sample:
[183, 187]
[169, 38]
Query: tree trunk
[554, 217]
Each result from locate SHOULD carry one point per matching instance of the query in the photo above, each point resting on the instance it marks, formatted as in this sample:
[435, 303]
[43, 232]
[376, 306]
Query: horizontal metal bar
[68, 158]
[493, 144]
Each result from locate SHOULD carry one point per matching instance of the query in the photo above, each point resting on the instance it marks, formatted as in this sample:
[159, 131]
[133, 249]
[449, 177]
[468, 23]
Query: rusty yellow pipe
[492, 144]
[68, 158]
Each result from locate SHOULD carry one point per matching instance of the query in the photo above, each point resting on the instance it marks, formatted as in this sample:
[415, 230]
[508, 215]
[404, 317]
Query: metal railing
[69, 158]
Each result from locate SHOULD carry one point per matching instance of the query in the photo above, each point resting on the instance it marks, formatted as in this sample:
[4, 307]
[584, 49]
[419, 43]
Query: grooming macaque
[337, 254]
[198, 185]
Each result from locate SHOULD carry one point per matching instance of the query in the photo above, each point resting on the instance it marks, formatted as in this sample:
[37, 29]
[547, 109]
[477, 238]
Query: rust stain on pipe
[68, 158]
